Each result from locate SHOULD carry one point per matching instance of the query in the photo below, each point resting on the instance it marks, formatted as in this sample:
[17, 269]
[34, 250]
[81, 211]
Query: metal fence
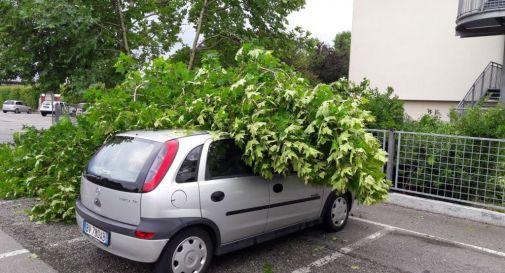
[454, 168]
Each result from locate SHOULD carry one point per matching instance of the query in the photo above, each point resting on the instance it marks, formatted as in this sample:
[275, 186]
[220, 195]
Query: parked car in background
[48, 108]
[177, 198]
[15, 106]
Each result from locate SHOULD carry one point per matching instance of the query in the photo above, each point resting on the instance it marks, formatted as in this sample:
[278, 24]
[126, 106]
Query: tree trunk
[119, 9]
[197, 35]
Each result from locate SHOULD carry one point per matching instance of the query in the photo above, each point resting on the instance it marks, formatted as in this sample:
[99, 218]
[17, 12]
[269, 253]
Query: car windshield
[9, 102]
[122, 159]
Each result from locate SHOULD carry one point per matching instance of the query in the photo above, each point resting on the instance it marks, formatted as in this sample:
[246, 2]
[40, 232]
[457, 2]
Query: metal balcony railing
[469, 7]
[489, 79]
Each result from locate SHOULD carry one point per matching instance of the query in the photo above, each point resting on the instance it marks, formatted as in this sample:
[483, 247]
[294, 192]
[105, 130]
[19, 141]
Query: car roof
[163, 135]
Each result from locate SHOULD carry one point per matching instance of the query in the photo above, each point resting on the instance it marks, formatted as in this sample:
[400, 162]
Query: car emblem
[97, 202]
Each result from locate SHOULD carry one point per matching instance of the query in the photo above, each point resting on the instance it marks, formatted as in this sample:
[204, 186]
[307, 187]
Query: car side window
[224, 159]
[188, 172]
[19, 103]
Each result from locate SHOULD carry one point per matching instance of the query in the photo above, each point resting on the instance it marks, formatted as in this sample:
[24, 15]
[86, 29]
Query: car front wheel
[191, 250]
[338, 212]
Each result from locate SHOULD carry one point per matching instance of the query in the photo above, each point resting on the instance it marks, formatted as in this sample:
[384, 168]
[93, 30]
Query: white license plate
[98, 234]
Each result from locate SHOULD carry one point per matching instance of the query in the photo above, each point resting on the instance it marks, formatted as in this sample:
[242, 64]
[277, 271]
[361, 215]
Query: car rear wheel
[337, 213]
[16, 111]
[5, 112]
[29, 111]
[43, 114]
[189, 251]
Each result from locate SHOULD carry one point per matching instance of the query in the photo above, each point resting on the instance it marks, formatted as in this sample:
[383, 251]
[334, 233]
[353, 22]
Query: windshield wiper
[93, 177]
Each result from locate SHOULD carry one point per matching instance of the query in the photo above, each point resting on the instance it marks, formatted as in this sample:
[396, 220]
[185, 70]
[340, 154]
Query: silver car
[15, 106]
[176, 198]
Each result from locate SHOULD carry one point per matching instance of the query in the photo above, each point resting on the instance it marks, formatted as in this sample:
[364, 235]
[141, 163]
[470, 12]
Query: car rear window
[122, 163]
[46, 103]
[9, 102]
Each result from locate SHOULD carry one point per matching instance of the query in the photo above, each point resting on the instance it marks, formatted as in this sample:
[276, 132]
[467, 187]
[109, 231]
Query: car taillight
[144, 235]
[161, 165]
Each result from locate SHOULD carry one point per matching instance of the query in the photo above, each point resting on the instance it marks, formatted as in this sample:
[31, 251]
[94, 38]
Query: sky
[323, 18]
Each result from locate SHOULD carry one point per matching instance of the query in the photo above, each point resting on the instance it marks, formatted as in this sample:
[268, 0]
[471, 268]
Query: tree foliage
[227, 24]
[77, 42]
[283, 123]
[342, 45]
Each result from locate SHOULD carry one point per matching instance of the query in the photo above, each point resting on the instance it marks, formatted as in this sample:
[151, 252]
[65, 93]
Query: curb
[449, 209]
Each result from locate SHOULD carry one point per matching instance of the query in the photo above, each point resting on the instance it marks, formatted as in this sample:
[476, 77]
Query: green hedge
[459, 168]
[27, 94]
[468, 169]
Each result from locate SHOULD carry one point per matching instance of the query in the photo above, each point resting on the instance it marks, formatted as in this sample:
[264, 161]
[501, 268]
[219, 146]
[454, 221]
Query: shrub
[26, 94]
[479, 122]
[387, 109]
[459, 168]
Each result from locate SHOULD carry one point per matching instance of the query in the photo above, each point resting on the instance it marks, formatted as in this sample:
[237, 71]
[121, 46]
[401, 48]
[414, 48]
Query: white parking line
[71, 241]
[13, 253]
[342, 251]
[436, 238]
[6, 202]
[387, 228]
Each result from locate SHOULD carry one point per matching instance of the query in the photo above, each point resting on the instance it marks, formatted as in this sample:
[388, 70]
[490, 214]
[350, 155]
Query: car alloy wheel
[339, 211]
[190, 256]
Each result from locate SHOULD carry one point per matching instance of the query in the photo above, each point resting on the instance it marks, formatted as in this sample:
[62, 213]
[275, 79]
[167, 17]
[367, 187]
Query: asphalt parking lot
[383, 238]
[10, 123]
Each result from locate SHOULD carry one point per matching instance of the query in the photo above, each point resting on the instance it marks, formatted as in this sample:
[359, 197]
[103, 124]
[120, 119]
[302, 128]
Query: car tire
[191, 250]
[4, 112]
[337, 212]
[43, 114]
[17, 111]
[29, 111]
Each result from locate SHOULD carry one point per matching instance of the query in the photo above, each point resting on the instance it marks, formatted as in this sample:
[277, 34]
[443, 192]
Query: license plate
[96, 233]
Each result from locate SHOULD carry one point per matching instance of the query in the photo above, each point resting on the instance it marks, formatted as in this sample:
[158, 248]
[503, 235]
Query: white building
[412, 46]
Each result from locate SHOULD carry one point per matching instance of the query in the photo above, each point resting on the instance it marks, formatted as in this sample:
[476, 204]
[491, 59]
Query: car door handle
[278, 188]
[218, 196]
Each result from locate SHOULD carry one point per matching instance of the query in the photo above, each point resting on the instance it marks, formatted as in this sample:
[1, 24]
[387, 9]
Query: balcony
[480, 18]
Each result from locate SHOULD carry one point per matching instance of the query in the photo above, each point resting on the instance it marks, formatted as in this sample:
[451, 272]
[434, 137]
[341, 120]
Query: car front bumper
[122, 242]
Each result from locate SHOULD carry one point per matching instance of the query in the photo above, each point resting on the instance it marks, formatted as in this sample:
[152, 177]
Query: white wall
[411, 45]
[417, 108]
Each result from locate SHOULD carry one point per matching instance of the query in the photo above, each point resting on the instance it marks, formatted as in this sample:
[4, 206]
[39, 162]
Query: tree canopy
[77, 42]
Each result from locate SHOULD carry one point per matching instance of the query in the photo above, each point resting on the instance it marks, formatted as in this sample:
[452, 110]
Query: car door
[23, 107]
[292, 201]
[230, 195]
[19, 106]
